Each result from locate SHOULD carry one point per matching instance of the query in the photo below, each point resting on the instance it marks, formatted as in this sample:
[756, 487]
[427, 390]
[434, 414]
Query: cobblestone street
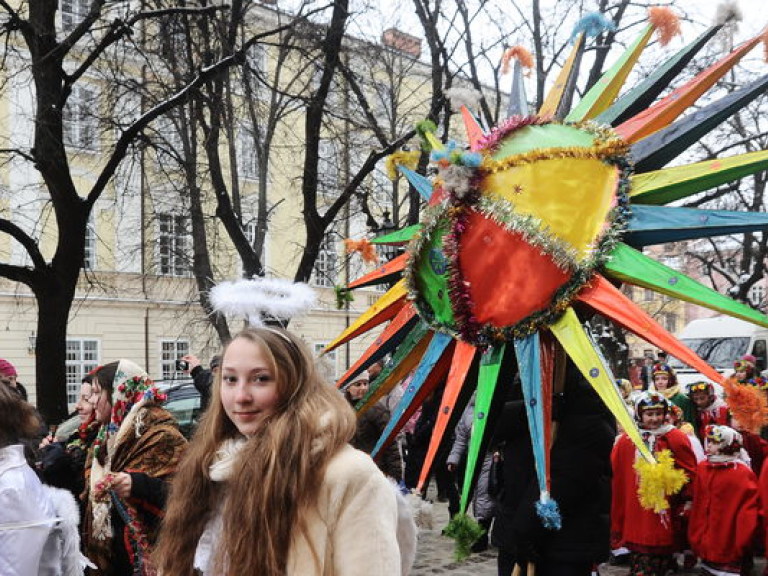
[435, 555]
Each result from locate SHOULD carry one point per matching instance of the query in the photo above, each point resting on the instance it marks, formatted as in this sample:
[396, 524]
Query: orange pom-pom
[519, 53]
[364, 247]
[748, 405]
[665, 21]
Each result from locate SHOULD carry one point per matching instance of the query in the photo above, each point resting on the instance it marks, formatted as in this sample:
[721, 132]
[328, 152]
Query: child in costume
[675, 417]
[665, 383]
[726, 511]
[709, 408]
[652, 537]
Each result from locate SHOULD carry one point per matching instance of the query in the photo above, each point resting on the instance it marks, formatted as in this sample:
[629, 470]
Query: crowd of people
[272, 479]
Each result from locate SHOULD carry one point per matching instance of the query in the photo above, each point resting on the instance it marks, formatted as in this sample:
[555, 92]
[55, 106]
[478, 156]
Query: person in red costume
[726, 510]
[651, 537]
[709, 408]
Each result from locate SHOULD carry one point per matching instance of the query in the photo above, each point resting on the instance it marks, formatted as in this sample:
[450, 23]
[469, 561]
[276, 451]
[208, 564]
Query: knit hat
[363, 376]
[649, 400]
[7, 369]
[722, 438]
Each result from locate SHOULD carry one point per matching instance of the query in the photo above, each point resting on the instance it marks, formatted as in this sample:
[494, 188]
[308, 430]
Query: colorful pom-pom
[466, 531]
[364, 247]
[747, 404]
[658, 480]
[407, 158]
[665, 21]
[592, 24]
[518, 53]
[549, 513]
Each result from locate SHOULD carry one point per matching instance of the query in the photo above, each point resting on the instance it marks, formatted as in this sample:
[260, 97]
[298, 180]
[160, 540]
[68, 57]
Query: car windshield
[717, 352]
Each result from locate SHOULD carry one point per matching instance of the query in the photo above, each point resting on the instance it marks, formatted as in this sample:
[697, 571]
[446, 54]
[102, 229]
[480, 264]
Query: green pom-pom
[466, 531]
[422, 128]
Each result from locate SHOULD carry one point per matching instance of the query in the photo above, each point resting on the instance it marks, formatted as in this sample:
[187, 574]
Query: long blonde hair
[276, 479]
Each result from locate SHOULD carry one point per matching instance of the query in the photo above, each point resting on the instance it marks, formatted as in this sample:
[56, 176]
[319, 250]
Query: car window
[186, 411]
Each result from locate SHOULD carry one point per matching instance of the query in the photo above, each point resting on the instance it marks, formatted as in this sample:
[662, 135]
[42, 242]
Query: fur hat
[7, 369]
[722, 438]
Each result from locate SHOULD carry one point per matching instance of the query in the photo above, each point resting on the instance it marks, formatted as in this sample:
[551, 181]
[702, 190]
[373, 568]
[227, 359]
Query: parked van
[720, 341]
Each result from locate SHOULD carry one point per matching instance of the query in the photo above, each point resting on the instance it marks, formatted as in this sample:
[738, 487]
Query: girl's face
[652, 418]
[358, 389]
[102, 404]
[700, 398]
[248, 385]
[741, 375]
[661, 381]
[84, 407]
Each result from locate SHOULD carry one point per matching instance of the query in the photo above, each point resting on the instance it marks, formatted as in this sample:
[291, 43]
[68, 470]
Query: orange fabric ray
[400, 321]
[670, 107]
[462, 361]
[391, 267]
[385, 308]
[435, 377]
[474, 132]
[399, 372]
[606, 299]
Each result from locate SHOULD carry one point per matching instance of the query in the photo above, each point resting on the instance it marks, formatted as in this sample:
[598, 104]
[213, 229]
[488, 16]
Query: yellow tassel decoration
[665, 21]
[658, 481]
[407, 158]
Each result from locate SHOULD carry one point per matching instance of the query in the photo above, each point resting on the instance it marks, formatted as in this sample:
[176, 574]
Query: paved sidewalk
[435, 555]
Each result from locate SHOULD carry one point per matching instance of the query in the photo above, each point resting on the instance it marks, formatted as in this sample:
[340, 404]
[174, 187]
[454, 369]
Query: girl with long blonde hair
[270, 485]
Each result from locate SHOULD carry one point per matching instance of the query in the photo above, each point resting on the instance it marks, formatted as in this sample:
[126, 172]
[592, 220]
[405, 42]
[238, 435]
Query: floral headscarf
[131, 386]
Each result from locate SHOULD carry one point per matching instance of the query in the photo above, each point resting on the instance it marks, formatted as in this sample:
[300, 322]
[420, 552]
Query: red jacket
[726, 512]
[717, 413]
[633, 526]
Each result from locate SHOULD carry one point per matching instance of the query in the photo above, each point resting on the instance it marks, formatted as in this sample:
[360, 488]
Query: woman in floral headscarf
[135, 452]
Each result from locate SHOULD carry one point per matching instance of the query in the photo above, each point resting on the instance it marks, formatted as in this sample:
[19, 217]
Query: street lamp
[387, 227]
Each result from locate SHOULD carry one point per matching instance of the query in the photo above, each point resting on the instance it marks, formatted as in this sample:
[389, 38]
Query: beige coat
[354, 528]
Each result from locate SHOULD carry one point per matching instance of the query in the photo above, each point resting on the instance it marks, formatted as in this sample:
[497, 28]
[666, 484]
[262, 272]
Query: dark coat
[580, 479]
[370, 425]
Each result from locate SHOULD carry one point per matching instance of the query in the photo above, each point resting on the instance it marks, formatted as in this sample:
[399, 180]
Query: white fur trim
[73, 563]
[263, 298]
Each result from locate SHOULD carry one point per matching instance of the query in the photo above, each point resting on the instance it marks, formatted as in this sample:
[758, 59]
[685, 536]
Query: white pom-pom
[728, 11]
[263, 299]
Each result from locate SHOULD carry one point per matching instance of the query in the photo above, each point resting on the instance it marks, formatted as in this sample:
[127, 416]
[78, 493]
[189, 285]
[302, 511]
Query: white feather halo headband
[262, 299]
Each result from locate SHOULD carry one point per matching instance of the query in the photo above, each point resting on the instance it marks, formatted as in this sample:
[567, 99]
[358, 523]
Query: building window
[72, 12]
[670, 323]
[324, 273]
[329, 359]
[79, 121]
[756, 294]
[247, 157]
[250, 233]
[82, 357]
[170, 351]
[328, 168]
[173, 244]
[648, 295]
[89, 258]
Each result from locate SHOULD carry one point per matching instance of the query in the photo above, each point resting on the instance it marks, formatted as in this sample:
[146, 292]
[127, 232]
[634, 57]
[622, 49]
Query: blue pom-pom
[549, 513]
[592, 24]
[471, 159]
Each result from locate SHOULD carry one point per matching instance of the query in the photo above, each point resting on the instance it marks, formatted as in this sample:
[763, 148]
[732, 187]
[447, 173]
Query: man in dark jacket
[580, 473]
